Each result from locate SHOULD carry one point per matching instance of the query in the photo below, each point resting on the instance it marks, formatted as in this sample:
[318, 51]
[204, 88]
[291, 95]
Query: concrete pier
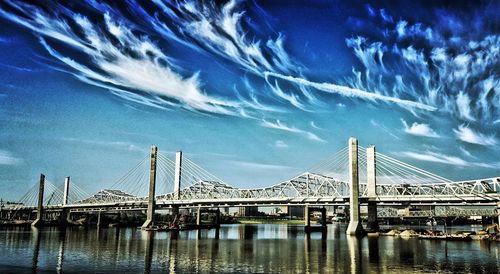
[200, 210]
[99, 219]
[307, 218]
[198, 216]
[152, 184]
[39, 214]
[355, 226]
[371, 174]
[498, 212]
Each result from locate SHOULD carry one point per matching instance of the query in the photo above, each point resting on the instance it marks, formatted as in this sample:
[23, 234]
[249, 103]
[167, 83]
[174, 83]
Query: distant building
[245, 211]
[295, 211]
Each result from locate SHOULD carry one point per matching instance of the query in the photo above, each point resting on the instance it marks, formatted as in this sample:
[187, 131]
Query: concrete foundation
[39, 214]
[372, 224]
[152, 184]
[355, 227]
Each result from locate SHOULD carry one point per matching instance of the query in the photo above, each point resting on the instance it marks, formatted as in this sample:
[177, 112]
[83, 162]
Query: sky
[253, 91]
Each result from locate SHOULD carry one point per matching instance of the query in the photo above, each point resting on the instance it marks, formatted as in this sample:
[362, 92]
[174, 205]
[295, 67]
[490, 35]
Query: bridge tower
[355, 226]
[64, 217]
[66, 191]
[177, 181]
[152, 184]
[39, 214]
[371, 175]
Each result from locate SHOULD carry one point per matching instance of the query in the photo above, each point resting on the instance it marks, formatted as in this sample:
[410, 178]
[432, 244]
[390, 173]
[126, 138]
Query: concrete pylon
[177, 181]
[66, 191]
[64, 217]
[355, 226]
[371, 178]
[307, 217]
[198, 216]
[152, 184]
[39, 214]
[178, 173]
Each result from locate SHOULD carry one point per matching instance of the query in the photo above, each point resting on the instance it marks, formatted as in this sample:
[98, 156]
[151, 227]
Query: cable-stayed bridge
[351, 176]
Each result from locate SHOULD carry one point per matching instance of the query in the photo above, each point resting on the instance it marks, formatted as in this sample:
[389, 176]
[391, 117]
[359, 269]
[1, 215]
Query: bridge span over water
[354, 175]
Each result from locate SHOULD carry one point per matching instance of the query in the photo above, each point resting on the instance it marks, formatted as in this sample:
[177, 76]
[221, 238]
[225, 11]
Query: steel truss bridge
[326, 183]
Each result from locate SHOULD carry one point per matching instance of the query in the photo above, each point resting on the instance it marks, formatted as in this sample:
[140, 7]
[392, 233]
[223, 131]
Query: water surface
[264, 248]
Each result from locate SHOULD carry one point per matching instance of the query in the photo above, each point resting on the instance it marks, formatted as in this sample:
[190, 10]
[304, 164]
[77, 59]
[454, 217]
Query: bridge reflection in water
[239, 249]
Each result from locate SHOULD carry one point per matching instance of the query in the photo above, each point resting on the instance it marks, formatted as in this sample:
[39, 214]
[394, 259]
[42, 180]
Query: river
[262, 248]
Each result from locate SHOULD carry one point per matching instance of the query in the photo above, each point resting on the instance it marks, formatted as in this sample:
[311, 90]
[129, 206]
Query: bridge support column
[371, 172]
[98, 219]
[498, 212]
[323, 217]
[355, 226]
[217, 217]
[152, 184]
[198, 216]
[307, 217]
[39, 214]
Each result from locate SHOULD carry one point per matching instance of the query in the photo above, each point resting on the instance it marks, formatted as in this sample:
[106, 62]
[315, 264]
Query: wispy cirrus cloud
[257, 166]
[282, 126]
[434, 157]
[121, 145]
[7, 159]
[419, 129]
[451, 65]
[218, 30]
[117, 58]
[466, 134]
[384, 128]
[352, 92]
[280, 144]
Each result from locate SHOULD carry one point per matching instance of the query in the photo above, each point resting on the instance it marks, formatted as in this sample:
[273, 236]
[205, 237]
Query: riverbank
[436, 235]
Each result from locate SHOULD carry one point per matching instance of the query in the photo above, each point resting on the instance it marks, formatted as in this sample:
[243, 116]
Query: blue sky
[253, 91]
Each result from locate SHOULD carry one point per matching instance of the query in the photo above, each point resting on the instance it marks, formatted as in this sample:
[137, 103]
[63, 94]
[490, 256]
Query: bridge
[353, 176]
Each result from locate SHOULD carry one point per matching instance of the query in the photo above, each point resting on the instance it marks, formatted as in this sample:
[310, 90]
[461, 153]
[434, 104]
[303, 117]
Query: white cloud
[257, 166]
[132, 66]
[384, 128]
[280, 144]
[313, 125]
[466, 152]
[281, 126]
[466, 134]
[456, 77]
[352, 92]
[429, 156]
[218, 30]
[121, 145]
[7, 159]
[419, 129]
